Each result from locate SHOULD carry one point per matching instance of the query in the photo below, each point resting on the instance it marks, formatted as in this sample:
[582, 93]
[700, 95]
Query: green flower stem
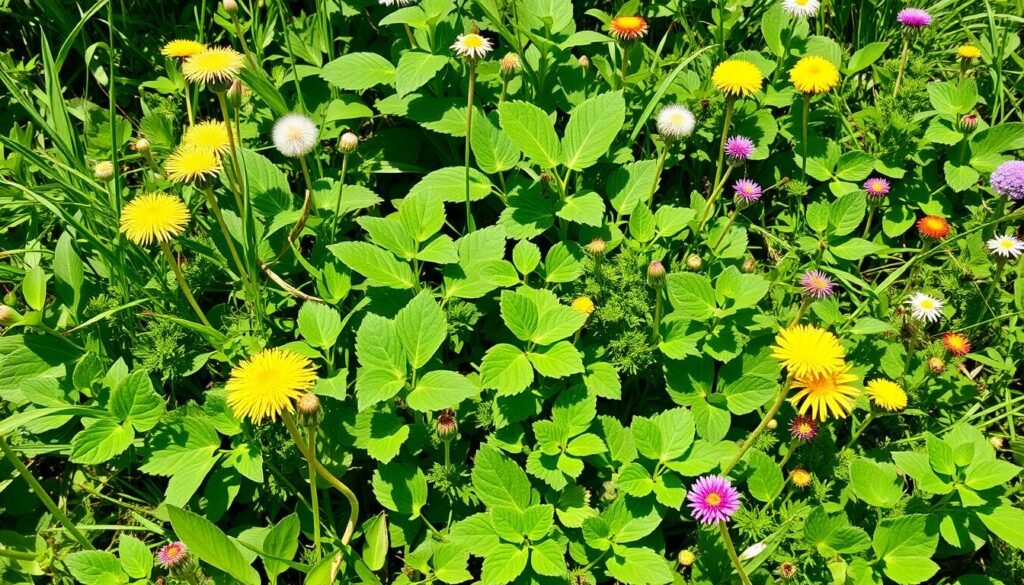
[657, 173]
[470, 224]
[732, 553]
[994, 283]
[341, 191]
[241, 40]
[17, 555]
[289, 421]
[184, 285]
[793, 445]
[307, 207]
[715, 192]
[732, 220]
[860, 431]
[313, 494]
[48, 502]
[903, 64]
[188, 104]
[237, 185]
[730, 106]
[805, 122]
[211, 201]
[625, 63]
[408, 33]
[749, 442]
[656, 328]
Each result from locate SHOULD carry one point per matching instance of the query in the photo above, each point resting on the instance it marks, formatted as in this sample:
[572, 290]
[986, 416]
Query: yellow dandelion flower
[186, 165]
[814, 75]
[806, 350]
[800, 477]
[968, 52]
[583, 305]
[886, 394]
[182, 48]
[737, 77]
[211, 135]
[154, 217]
[219, 65]
[264, 385]
[826, 393]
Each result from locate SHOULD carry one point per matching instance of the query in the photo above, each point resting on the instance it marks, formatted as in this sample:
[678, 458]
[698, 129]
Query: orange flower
[628, 28]
[956, 343]
[933, 227]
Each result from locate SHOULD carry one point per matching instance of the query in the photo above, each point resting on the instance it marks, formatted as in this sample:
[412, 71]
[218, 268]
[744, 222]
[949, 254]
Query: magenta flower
[817, 284]
[747, 190]
[914, 18]
[803, 427]
[172, 555]
[876, 187]
[1008, 180]
[713, 499]
[739, 148]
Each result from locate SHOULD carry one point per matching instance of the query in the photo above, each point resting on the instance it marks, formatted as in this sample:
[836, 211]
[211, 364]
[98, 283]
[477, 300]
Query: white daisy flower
[472, 46]
[924, 307]
[1006, 246]
[801, 8]
[675, 122]
[295, 135]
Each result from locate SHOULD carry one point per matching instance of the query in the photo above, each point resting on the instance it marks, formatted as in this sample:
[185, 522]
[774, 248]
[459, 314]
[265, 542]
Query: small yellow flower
[886, 394]
[628, 28]
[805, 351]
[219, 65]
[186, 165]
[211, 135]
[154, 217]
[265, 385]
[182, 48]
[737, 77]
[583, 305]
[968, 52]
[800, 477]
[826, 393]
[813, 75]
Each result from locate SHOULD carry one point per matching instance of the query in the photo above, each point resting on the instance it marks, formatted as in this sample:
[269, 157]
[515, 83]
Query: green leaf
[953, 98]
[68, 270]
[504, 564]
[664, 437]
[635, 480]
[766, 483]
[917, 466]
[865, 57]
[531, 130]
[439, 390]
[905, 546]
[493, 150]
[639, 566]
[422, 215]
[854, 165]
[985, 474]
[100, 442]
[33, 287]
[211, 545]
[378, 266]
[382, 434]
[450, 563]
[562, 264]
[548, 558]
[415, 68]
[526, 256]
[586, 208]
[847, 213]
[135, 402]
[875, 483]
[136, 559]
[449, 184]
[422, 328]
[692, 295]
[401, 488]
[282, 541]
[506, 369]
[375, 551]
[500, 482]
[358, 71]
[520, 313]
[319, 324]
[95, 567]
[592, 128]
[382, 372]
[855, 249]
[557, 361]
[1005, 521]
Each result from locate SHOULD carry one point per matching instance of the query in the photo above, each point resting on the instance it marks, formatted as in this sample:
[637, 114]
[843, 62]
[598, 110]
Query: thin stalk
[307, 206]
[860, 431]
[657, 173]
[783, 393]
[903, 63]
[732, 220]
[313, 495]
[17, 555]
[715, 192]
[241, 40]
[730, 105]
[237, 185]
[184, 285]
[789, 453]
[470, 224]
[40, 493]
[656, 328]
[289, 421]
[732, 553]
[211, 201]
[807, 112]
[625, 63]
[412, 39]
[341, 191]
[994, 283]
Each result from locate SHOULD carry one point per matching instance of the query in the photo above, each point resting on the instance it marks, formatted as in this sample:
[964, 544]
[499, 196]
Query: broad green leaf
[282, 541]
[985, 474]
[422, 328]
[439, 390]
[547, 557]
[401, 488]
[101, 441]
[875, 483]
[506, 369]
[382, 434]
[358, 71]
[531, 130]
[211, 545]
[639, 566]
[378, 266]
[95, 567]
[1005, 521]
[592, 128]
[692, 295]
[136, 559]
[382, 372]
[493, 150]
[905, 546]
[504, 564]
[415, 68]
[557, 361]
[135, 402]
[319, 324]
[498, 481]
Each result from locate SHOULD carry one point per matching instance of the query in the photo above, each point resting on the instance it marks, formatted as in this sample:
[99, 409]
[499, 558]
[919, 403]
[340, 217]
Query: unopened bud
[584, 62]
[969, 122]
[103, 171]
[142, 146]
[609, 491]
[230, 6]
[446, 425]
[349, 143]
[686, 557]
[997, 442]
[510, 63]
[308, 409]
[656, 274]
[787, 570]
[936, 365]
[749, 265]
[693, 262]
[545, 177]
[773, 424]
[8, 316]
[235, 92]
[597, 247]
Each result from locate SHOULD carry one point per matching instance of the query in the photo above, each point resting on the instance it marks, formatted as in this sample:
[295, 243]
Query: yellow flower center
[804, 428]
[473, 41]
[818, 282]
[927, 304]
[713, 499]
[801, 2]
[1006, 244]
[629, 22]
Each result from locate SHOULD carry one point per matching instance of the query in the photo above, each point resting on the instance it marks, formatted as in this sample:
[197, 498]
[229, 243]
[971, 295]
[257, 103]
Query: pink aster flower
[804, 428]
[817, 284]
[739, 148]
[876, 187]
[747, 190]
[172, 555]
[914, 18]
[713, 499]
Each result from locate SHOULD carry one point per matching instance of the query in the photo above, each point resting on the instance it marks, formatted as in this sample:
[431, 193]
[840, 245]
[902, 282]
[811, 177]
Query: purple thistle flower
[876, 187]
[747, 190]
[713, 499]
[804, 428]
[914, 18]
[172, 555]
[1008, 180]
[739, 148]
[817, 284]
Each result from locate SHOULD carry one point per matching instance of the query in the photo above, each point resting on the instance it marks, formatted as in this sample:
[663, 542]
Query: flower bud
[609, 491]
[997, 442]
[773, 424]
[446, 425]
[686, 557]
[307, 407]
[936, 365]
[230, 6]
[142, 146]
[596, 247]
[103, 171]
[656, 275]
[693, 262]
[349, 143]
[8, 316]
[545, 177]
[235, 92]
[583, 305]
[787, 570]
[969, 122]
[584, 62]
[749, 265]
[510, 63]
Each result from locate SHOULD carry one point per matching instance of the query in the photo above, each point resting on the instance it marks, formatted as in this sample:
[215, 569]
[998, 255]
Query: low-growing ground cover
[511, 291]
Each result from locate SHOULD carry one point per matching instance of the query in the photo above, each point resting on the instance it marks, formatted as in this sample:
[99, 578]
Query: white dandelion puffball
[472, 46]
[924, 307]
[1006, 246]
[675, 122]
[801, 8]
[295, 135]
